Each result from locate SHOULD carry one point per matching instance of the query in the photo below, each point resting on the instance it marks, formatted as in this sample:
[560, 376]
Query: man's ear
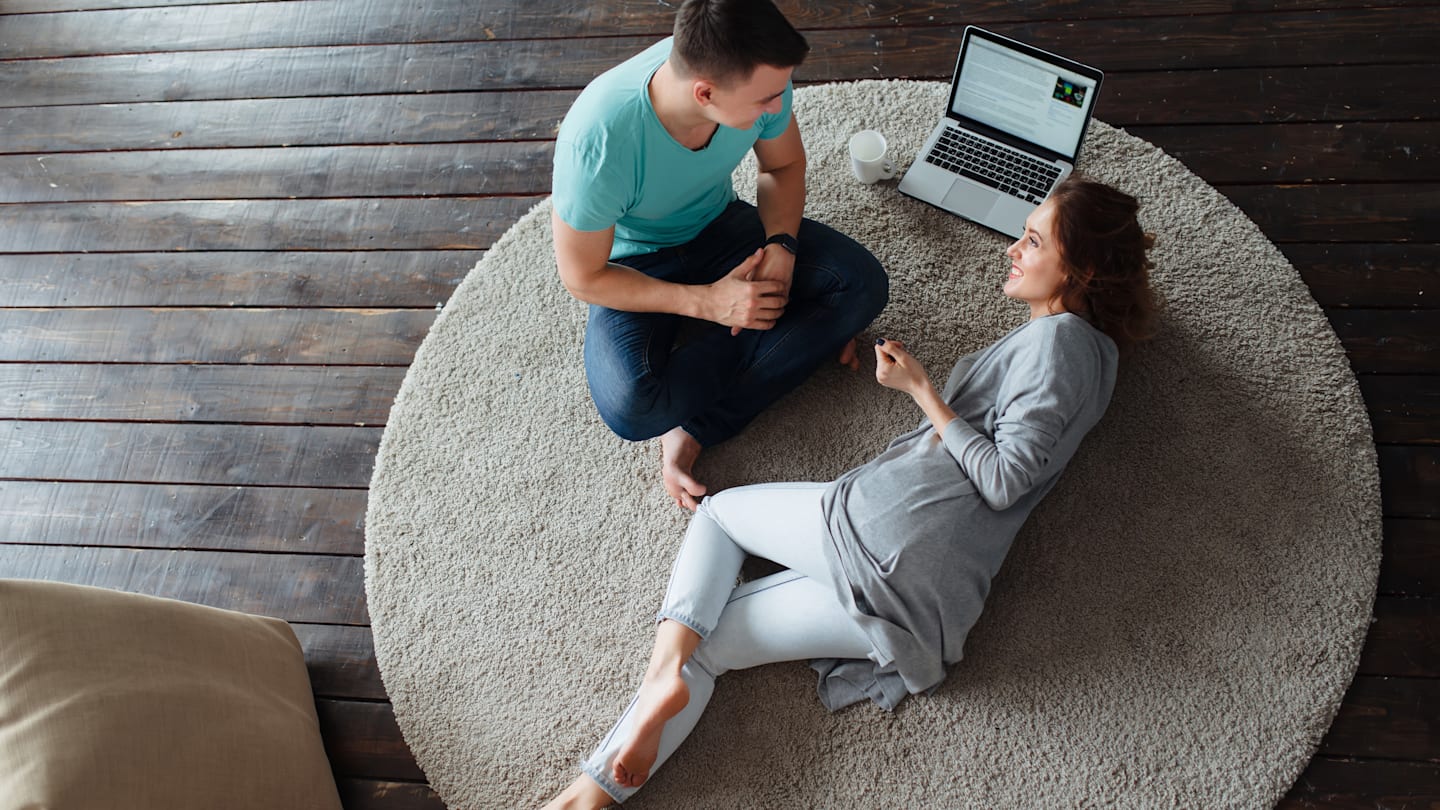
[703, 92]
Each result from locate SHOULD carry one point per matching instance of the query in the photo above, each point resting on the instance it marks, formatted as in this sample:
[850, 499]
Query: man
[704, 309]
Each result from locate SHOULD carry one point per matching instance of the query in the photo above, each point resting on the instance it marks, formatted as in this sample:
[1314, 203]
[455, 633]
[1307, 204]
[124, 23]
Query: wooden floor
[225, 228]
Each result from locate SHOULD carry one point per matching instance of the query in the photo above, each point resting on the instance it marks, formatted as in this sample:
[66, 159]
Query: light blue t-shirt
[616, 165]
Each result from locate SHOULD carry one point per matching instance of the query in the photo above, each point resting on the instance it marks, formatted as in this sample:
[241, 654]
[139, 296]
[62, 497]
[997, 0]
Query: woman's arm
[898, 369]
[1028, 429]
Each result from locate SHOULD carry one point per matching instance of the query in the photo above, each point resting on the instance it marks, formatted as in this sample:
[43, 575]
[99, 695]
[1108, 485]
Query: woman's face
[1036, 268]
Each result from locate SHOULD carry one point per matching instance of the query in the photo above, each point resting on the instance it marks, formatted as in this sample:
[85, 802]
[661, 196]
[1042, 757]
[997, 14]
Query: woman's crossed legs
[708, 626]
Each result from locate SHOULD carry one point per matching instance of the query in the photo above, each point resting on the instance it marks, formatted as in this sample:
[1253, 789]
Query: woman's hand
[898, 369]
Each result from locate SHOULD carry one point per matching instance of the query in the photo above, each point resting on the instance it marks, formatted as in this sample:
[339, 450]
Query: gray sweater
[917, 533]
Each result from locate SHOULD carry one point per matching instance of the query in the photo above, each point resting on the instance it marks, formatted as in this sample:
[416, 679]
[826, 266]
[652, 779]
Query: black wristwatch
[786, 241]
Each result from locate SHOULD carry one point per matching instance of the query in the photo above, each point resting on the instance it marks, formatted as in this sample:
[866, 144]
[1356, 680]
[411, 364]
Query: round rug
[1174, 627]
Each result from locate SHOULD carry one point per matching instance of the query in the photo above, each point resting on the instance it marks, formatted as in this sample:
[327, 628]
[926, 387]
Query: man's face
[738, 104]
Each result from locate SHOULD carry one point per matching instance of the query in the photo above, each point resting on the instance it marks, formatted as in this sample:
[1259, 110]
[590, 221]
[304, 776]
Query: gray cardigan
[917, 533]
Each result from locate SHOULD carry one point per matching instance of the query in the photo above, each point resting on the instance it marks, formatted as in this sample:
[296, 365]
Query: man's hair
[725, 40]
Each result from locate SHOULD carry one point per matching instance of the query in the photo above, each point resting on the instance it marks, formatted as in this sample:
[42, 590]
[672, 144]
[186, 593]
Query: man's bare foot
[678, 451]
[663, 694]
[849, 357]
[582, 794]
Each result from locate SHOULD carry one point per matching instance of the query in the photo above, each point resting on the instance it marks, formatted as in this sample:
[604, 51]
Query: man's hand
[742, 301]
[778, 264]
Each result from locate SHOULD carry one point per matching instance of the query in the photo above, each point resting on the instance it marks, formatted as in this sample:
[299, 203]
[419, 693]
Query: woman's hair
[725, 40]
[1107, 272]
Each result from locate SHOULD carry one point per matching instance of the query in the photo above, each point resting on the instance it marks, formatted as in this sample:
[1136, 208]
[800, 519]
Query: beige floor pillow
[114, 700]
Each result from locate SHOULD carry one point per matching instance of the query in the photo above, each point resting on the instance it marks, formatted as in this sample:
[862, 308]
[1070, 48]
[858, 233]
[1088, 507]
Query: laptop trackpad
[969, 200]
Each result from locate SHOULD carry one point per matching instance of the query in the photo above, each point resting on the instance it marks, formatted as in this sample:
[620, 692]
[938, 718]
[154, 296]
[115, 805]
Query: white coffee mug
[867, 157]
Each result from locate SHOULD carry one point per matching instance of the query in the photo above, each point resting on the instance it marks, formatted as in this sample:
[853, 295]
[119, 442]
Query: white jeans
[788, 616]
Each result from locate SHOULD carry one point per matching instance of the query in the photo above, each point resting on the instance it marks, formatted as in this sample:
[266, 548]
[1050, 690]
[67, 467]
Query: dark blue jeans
[649, 372]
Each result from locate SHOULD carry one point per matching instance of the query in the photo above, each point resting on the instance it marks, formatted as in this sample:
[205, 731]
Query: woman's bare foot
[582, 794]
[678, 451]
[662, 695]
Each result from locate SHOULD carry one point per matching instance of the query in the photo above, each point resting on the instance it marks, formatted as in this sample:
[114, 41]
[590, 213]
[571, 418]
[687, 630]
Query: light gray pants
[788, 616]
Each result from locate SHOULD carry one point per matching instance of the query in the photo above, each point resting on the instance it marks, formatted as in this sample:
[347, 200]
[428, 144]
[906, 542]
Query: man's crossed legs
[695, 384]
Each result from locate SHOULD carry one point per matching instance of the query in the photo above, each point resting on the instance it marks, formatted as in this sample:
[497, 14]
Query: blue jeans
[793, 615]
[649, 372]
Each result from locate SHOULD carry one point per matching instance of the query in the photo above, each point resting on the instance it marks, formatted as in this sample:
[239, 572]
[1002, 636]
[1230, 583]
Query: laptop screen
[1023, 91]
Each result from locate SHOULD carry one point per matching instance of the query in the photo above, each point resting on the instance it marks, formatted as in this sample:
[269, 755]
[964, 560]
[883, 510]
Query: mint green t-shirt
[616, 165]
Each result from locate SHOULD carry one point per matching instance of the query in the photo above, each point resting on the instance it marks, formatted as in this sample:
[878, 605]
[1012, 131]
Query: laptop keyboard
[996, 166]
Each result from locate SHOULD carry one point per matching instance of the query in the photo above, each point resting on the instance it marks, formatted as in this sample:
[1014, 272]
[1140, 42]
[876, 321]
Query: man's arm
[780, 196]
[583, 258]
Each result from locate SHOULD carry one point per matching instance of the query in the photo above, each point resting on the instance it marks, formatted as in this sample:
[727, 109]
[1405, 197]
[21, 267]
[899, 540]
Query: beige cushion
[114, 700]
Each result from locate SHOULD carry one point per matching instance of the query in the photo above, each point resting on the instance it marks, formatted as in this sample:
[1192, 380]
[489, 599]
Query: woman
[887, 567]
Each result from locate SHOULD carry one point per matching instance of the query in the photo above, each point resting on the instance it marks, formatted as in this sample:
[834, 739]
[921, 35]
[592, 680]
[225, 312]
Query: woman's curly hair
[1104, 250]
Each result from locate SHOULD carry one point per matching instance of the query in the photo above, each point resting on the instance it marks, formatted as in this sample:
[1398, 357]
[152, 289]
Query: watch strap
[786, 241]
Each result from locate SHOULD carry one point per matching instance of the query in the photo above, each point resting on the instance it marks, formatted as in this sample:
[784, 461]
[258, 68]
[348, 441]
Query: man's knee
[628, 408]
[861, 283]
[864, 288]
[870, 287]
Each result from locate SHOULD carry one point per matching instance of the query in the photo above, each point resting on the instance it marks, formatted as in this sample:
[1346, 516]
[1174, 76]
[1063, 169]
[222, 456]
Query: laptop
[1011, 132]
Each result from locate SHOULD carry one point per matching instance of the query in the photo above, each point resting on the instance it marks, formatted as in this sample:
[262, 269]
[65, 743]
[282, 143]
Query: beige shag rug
[1175, 627]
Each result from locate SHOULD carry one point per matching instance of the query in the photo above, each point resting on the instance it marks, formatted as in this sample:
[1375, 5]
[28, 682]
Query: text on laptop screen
[1024, 96]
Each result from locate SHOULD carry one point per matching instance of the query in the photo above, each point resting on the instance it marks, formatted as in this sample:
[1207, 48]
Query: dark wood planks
[43, 6]
[1337, 213]
[291, 520]
[363, 739]
[372, 794]
[298, 588]
[1303, 153]
[432, 170]
[1331, 783]
[1410, 480]
[372, 119]
[557, 18]
[1387, 718]
[1389, 341]
[281, 395]
[1404, 640]
[1345, 35]
[188, 453]
[1411, 561]
[341, 660]
[1379, 212]
[1266, 95]
[1404, 409]
[267, 225]
[1370, 275]
[389, 279]
[1114, 45]
[133, 335]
